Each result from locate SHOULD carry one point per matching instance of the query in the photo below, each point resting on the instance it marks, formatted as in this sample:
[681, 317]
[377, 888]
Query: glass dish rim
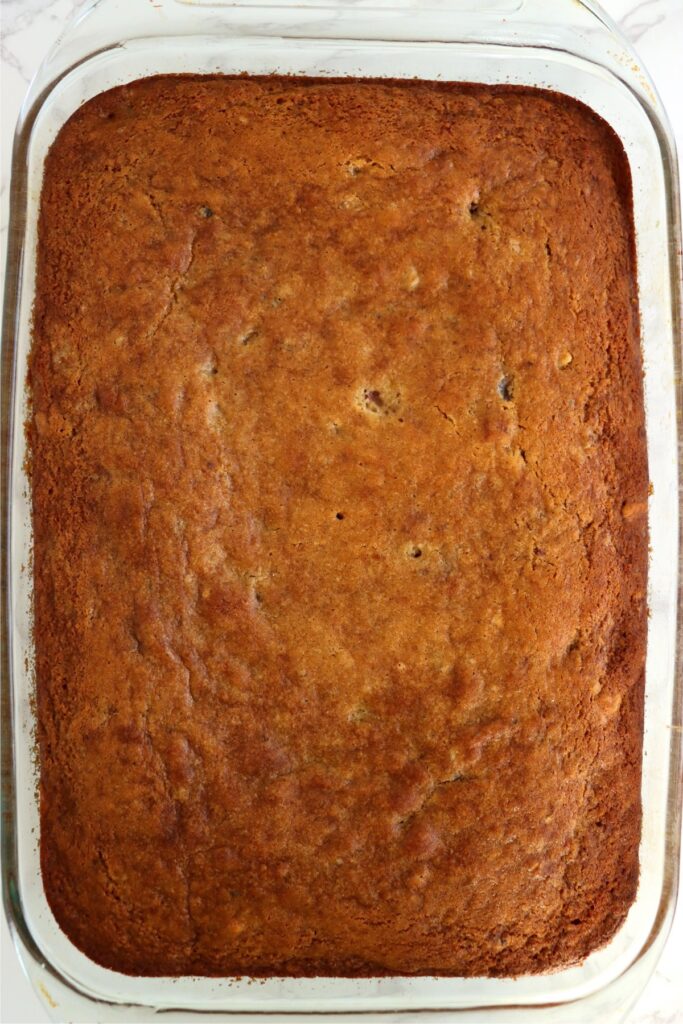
[12, 897]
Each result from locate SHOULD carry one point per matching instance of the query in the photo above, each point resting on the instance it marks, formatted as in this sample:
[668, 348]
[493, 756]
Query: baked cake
[339, 491]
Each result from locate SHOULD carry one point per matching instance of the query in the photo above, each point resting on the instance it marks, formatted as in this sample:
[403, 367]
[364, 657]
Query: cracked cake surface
[339, 490]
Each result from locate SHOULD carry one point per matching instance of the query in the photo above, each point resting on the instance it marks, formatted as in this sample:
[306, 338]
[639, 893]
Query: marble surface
[28, 28]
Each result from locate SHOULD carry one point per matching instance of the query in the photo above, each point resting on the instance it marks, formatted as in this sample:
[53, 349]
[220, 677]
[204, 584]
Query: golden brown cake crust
[339, 498]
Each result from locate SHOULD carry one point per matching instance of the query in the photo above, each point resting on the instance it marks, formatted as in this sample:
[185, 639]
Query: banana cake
[339, 486]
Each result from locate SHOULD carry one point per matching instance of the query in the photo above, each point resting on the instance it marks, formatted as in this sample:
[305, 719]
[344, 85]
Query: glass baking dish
[575, 50]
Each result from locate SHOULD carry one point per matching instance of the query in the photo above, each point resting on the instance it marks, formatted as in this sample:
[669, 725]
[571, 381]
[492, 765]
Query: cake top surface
[339, 489]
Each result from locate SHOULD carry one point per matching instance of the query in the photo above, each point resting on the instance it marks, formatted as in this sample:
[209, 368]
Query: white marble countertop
[28, 28]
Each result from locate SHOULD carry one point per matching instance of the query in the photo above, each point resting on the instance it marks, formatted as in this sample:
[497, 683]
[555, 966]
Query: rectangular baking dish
[579, 53]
